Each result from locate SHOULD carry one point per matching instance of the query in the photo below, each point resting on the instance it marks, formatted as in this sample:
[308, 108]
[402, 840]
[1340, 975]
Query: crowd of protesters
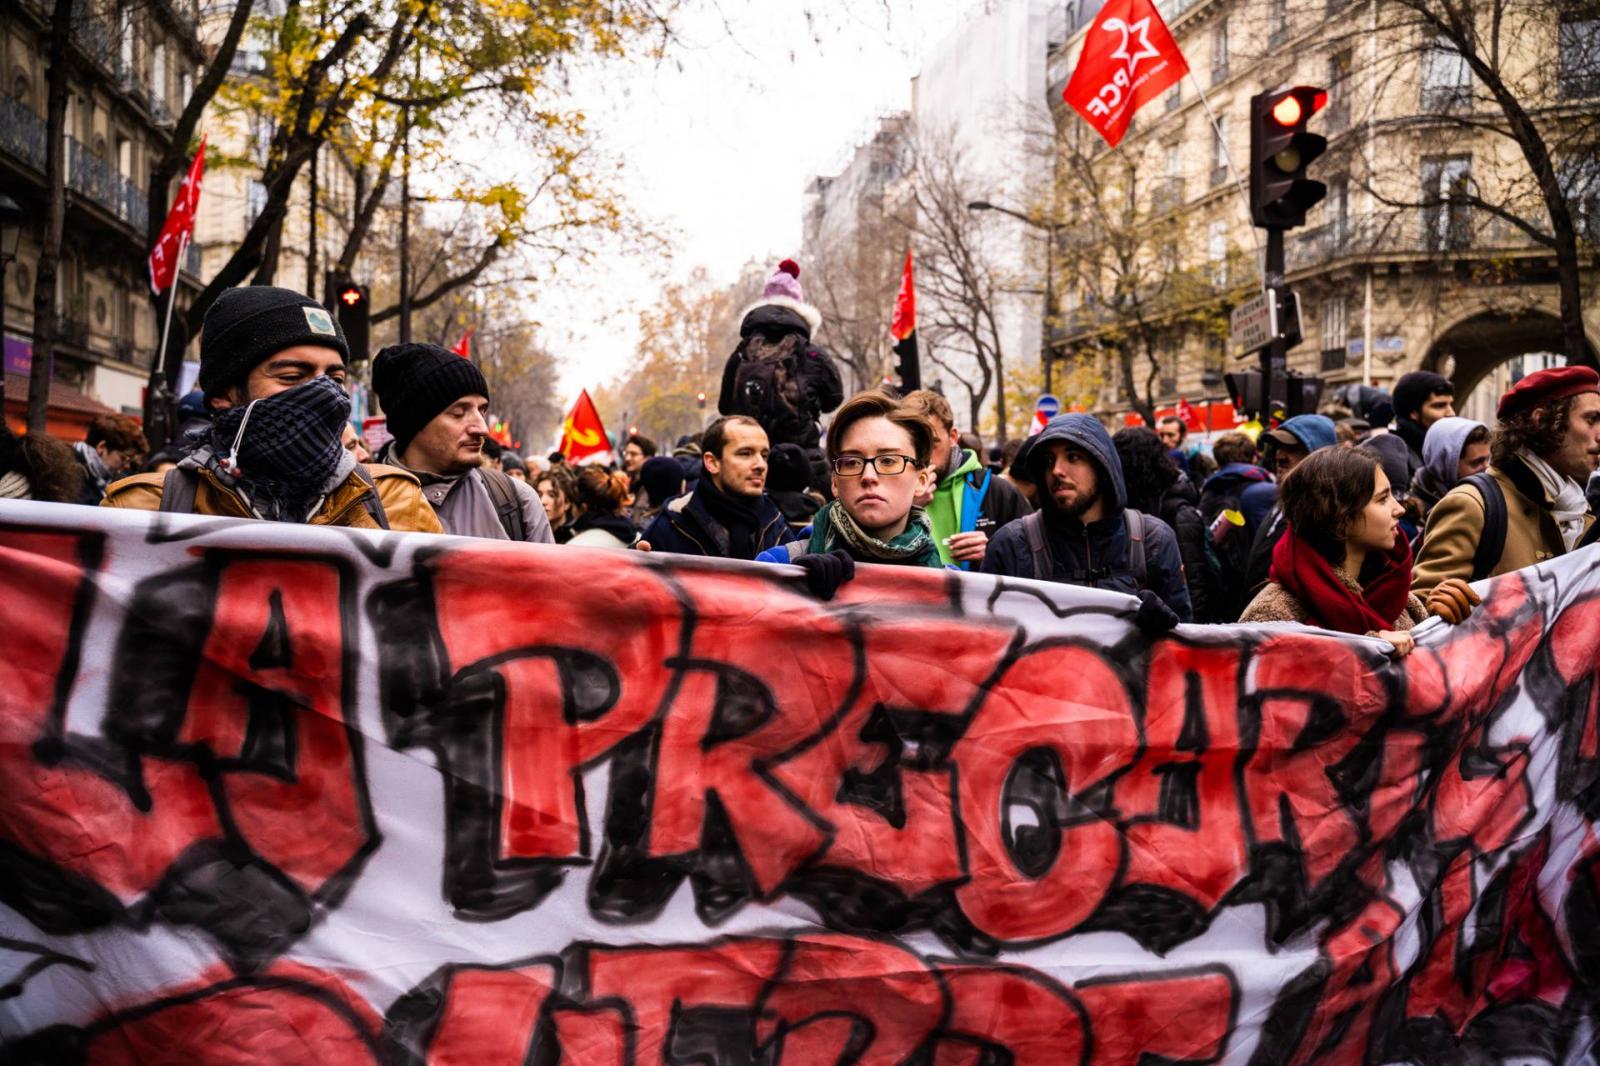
[1338, 520]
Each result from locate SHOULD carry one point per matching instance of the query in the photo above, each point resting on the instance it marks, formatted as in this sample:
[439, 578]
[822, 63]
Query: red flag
[179, 227]
[1190, 417]
[463, 346]
[583, 437]
[904, 322]
[1129, 58]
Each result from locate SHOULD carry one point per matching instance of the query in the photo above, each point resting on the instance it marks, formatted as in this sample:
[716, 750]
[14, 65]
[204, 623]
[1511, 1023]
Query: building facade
[1389, 278]
[132, 67]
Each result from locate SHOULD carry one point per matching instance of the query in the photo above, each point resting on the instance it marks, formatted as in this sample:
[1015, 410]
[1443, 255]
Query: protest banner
[279, 794]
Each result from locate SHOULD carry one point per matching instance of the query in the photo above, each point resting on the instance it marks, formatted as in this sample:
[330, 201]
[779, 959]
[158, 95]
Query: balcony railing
[21, 132]
[94, 35]
[72, 330]
[1416, 232]
[1165, 194]
[97, 180]
[125, 351]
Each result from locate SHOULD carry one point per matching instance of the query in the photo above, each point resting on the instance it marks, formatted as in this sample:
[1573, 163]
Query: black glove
[826, 571]
[1154, 617]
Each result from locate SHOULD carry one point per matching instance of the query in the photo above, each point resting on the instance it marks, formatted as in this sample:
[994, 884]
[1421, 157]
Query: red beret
[1543, 386]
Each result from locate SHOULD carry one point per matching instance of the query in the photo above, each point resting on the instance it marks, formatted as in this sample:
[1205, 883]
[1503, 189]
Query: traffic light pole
[1275, 356]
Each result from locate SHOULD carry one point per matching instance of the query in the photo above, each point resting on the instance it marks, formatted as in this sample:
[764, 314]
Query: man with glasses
[1285, 448]
[728, 514]
[879, 451]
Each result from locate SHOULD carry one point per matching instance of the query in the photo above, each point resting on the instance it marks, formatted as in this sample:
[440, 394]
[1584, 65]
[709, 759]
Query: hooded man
[1529, 505]
[1421, 398]
[777, 376]
[1083, 533]
[728, 514]
[1454, 448]
[970, 503]
[437, 403]
[272, 366]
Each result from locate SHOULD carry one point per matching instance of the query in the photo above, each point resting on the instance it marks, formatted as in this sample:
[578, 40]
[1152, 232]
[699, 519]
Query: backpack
[179, 486]
[767, 387]
[1044, 566]
[1492, 541]
[1228, 557]
[506, 504]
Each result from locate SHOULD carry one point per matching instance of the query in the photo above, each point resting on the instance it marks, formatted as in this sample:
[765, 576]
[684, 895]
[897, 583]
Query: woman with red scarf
[1342, 564]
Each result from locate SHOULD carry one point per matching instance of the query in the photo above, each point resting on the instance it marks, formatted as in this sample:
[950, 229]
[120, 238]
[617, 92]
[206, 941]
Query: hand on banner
[642, 546]
[826, 571]
[968, 547]
[1404, 643]
[1154, 617]
[1453, 600]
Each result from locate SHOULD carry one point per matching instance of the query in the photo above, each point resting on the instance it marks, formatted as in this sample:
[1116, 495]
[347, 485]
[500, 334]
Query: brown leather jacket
[1456, 522]
[397, 490]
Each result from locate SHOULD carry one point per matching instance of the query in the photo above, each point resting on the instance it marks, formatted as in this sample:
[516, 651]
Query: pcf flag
[1128, 59]
[903, 328]
[463, 346]
[583, 437]
[179, 227]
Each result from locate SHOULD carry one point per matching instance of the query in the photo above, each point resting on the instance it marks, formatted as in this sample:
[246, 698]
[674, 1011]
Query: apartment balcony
[72, 331]
[22, 133]
[1423, 233]
[125, 351]
[1166, 194]
[96, 180]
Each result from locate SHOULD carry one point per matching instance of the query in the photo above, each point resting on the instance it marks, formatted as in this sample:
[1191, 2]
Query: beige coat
[1274, 603]
[398, 491]
[1456, 524]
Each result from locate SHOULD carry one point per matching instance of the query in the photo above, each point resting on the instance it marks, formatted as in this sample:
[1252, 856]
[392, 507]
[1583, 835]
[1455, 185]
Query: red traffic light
[350, 296]
[1286, 112]
[1296, 105]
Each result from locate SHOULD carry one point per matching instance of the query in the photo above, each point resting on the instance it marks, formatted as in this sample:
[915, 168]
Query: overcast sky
[719, 141]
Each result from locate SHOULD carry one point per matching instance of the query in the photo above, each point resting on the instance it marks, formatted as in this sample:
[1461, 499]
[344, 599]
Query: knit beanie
[1413, 390]
[414, 382]
[781, 294]
[247, 326]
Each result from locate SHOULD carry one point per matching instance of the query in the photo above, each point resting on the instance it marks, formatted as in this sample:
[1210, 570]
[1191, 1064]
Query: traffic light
[700, 398]
[350, 303]
[906, 365]
[1281, 148]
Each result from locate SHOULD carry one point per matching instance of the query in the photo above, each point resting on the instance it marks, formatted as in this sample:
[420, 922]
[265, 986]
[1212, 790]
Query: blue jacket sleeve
[1008, 553]
[1256, 502]
[1164, 566]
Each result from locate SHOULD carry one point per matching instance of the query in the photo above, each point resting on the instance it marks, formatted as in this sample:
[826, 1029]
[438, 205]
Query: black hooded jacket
[1096, 554]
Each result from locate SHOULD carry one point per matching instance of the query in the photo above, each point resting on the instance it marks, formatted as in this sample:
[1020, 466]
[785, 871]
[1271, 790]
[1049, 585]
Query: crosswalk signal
[907, 367]
[1281, 148]
[353, 309]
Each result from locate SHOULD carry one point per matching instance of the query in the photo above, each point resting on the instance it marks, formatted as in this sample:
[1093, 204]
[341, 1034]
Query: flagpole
[172, 298]
[1227, 158]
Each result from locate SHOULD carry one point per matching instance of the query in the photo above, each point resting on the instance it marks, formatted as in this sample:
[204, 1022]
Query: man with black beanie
[1421, 398]
[272, 366]
[437, 404]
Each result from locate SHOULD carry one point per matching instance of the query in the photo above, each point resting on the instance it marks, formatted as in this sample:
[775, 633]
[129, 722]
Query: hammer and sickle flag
[583, 438]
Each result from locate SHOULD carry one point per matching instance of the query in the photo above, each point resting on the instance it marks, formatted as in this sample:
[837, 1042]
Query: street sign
[1048, 406]
[1260, 320]
[1254, 323]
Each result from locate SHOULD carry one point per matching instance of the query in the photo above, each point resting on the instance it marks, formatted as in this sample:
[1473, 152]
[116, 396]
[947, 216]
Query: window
[1174, 98]
[1217, 251]
[1578, 63]
[1338, 212]
[1335, 331]
[1167, 192]
[1446, 81]
[1219, 151]
[1446, 224]
[1580, 180]
[1278, 22]
[1338, 113]
[124, 41]
[1219, 52]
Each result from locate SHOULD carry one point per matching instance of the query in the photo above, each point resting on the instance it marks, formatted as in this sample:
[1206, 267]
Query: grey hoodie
[1441, 457]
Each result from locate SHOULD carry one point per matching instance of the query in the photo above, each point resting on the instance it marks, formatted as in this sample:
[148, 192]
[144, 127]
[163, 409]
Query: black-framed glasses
[886, 465]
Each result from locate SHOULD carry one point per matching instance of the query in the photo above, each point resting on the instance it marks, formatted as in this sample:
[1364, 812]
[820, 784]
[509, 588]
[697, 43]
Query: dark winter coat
[686, 526]
[1180, 511]
[1094, 555]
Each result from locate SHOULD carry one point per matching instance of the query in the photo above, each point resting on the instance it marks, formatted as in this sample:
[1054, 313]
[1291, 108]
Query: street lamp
[1049, 280]
[10, 239]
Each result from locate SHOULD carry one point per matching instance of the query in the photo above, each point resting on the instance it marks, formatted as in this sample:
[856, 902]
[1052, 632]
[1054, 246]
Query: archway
[1487, 353]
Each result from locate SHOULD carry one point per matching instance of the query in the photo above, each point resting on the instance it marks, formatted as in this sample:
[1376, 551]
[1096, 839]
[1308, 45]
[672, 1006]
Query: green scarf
[833, 528]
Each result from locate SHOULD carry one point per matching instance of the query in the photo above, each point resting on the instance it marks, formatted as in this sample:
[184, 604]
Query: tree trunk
[55, 182]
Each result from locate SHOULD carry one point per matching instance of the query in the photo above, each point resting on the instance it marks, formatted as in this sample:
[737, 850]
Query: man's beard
[1075, 509]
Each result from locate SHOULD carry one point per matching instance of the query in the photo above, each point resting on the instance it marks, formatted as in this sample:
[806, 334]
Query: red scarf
[1304, 573]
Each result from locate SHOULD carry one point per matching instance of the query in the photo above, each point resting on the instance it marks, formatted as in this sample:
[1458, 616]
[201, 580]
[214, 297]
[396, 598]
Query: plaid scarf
[834, 528]
[289, 451]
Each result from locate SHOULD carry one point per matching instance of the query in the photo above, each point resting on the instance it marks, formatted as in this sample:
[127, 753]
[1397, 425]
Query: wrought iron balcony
[22, 132]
